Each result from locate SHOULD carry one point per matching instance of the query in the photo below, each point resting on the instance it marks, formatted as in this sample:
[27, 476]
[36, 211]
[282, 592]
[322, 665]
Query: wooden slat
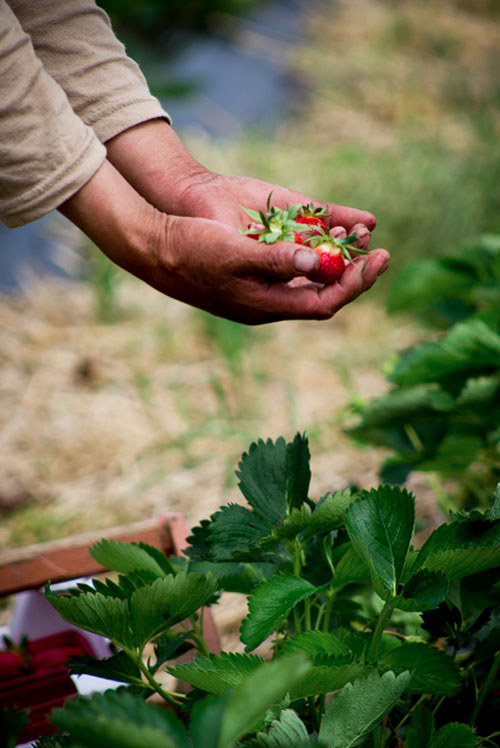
[69, 558]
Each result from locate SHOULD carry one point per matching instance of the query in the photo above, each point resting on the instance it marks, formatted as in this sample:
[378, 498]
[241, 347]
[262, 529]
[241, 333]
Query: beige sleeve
[75, 42]
[46, 152]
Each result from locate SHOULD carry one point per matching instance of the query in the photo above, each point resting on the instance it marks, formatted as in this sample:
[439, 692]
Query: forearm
[117, 219]
[153, 159]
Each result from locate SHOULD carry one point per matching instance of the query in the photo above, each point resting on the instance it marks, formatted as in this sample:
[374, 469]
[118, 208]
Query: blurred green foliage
[442, 414]
[151, 19]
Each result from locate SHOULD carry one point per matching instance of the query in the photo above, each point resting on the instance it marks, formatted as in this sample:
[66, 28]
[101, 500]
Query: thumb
[281, 259]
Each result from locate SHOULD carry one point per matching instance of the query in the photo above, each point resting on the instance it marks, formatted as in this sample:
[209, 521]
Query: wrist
[117, 219]
[153, 159]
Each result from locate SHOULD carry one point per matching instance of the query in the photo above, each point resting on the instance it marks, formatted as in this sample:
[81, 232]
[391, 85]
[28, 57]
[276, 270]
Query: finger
[281, 260]
[337, 215]
[338, 232]
[363, 236]
[377, 263]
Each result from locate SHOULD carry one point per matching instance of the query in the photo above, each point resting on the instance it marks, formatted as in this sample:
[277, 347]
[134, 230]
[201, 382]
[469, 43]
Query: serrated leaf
[425, 590]
[433, 671]
[272, 601]
[323, 679]
[329, 513]
[167, 601]
[234, 531]
[217, 673]
[288, 730]
[119, 666]
[292, 525]
[462, 547]
[314, 643]
[470, 348]
[126, 557]
[462, 563]
[106, 616]
[493, 512]
[360, 707]
[263, 478]
[380, 525]
[298, 472]
[257, 693]
[351, 569]
[119, 719]
[420, 729]
[452, 735]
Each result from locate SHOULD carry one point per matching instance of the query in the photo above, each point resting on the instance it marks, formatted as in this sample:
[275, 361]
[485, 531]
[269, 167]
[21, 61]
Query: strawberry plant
[305, 224]
[362, 639]
[442, 413]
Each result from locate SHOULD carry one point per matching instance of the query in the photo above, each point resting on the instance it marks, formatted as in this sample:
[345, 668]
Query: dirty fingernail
[305, 260]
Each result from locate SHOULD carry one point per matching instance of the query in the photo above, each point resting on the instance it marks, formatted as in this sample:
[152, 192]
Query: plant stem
[201, 644]
[376, 641]
[328, 612]
[169, 696]
[487, 683]
[307, 614]
[409, 712]
[444, 501]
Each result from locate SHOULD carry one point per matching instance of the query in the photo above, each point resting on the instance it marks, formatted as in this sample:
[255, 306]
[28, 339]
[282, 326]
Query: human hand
[208, 264]
[155, 162]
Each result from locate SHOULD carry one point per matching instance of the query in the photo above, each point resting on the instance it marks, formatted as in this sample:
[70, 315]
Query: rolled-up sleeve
[47, 153]
[78, 48]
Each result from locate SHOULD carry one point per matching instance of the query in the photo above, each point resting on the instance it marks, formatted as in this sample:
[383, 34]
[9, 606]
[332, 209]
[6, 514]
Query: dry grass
[102, 424]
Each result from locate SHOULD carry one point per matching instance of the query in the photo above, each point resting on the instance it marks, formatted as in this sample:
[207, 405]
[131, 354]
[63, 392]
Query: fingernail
[383, 267]
[305, 260]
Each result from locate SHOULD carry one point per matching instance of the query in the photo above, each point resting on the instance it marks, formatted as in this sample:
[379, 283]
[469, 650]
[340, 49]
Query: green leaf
[293, 524]
[423, 591]
[462, 563]
[167, 601]
[12, 723]
[298, 472]
[330, 513]
[272, 601]
[314, 643]
[359, 708]
[206, 721]
[433, 671]
[126, 557]
[493, 512]
[323, 679]
[263, 478]
[120, 719]
[288, 730]
[119, 666]
[94, 612]
[234, 531]
[470, 348]
[217, 673]
[351, 569]
[257, 693]
[420, 729]
[380, 525]
[452, 735]
[462, 547]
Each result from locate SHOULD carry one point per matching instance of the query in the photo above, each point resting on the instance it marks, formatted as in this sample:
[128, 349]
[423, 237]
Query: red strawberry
[312, 221]
[51, 658]
[11, 665]
[332, 263]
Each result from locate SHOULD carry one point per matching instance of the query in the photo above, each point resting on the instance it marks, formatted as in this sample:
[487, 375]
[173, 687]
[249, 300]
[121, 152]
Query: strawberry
[306, 225]
[49, 659]
[11, 665]
[332, 263]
